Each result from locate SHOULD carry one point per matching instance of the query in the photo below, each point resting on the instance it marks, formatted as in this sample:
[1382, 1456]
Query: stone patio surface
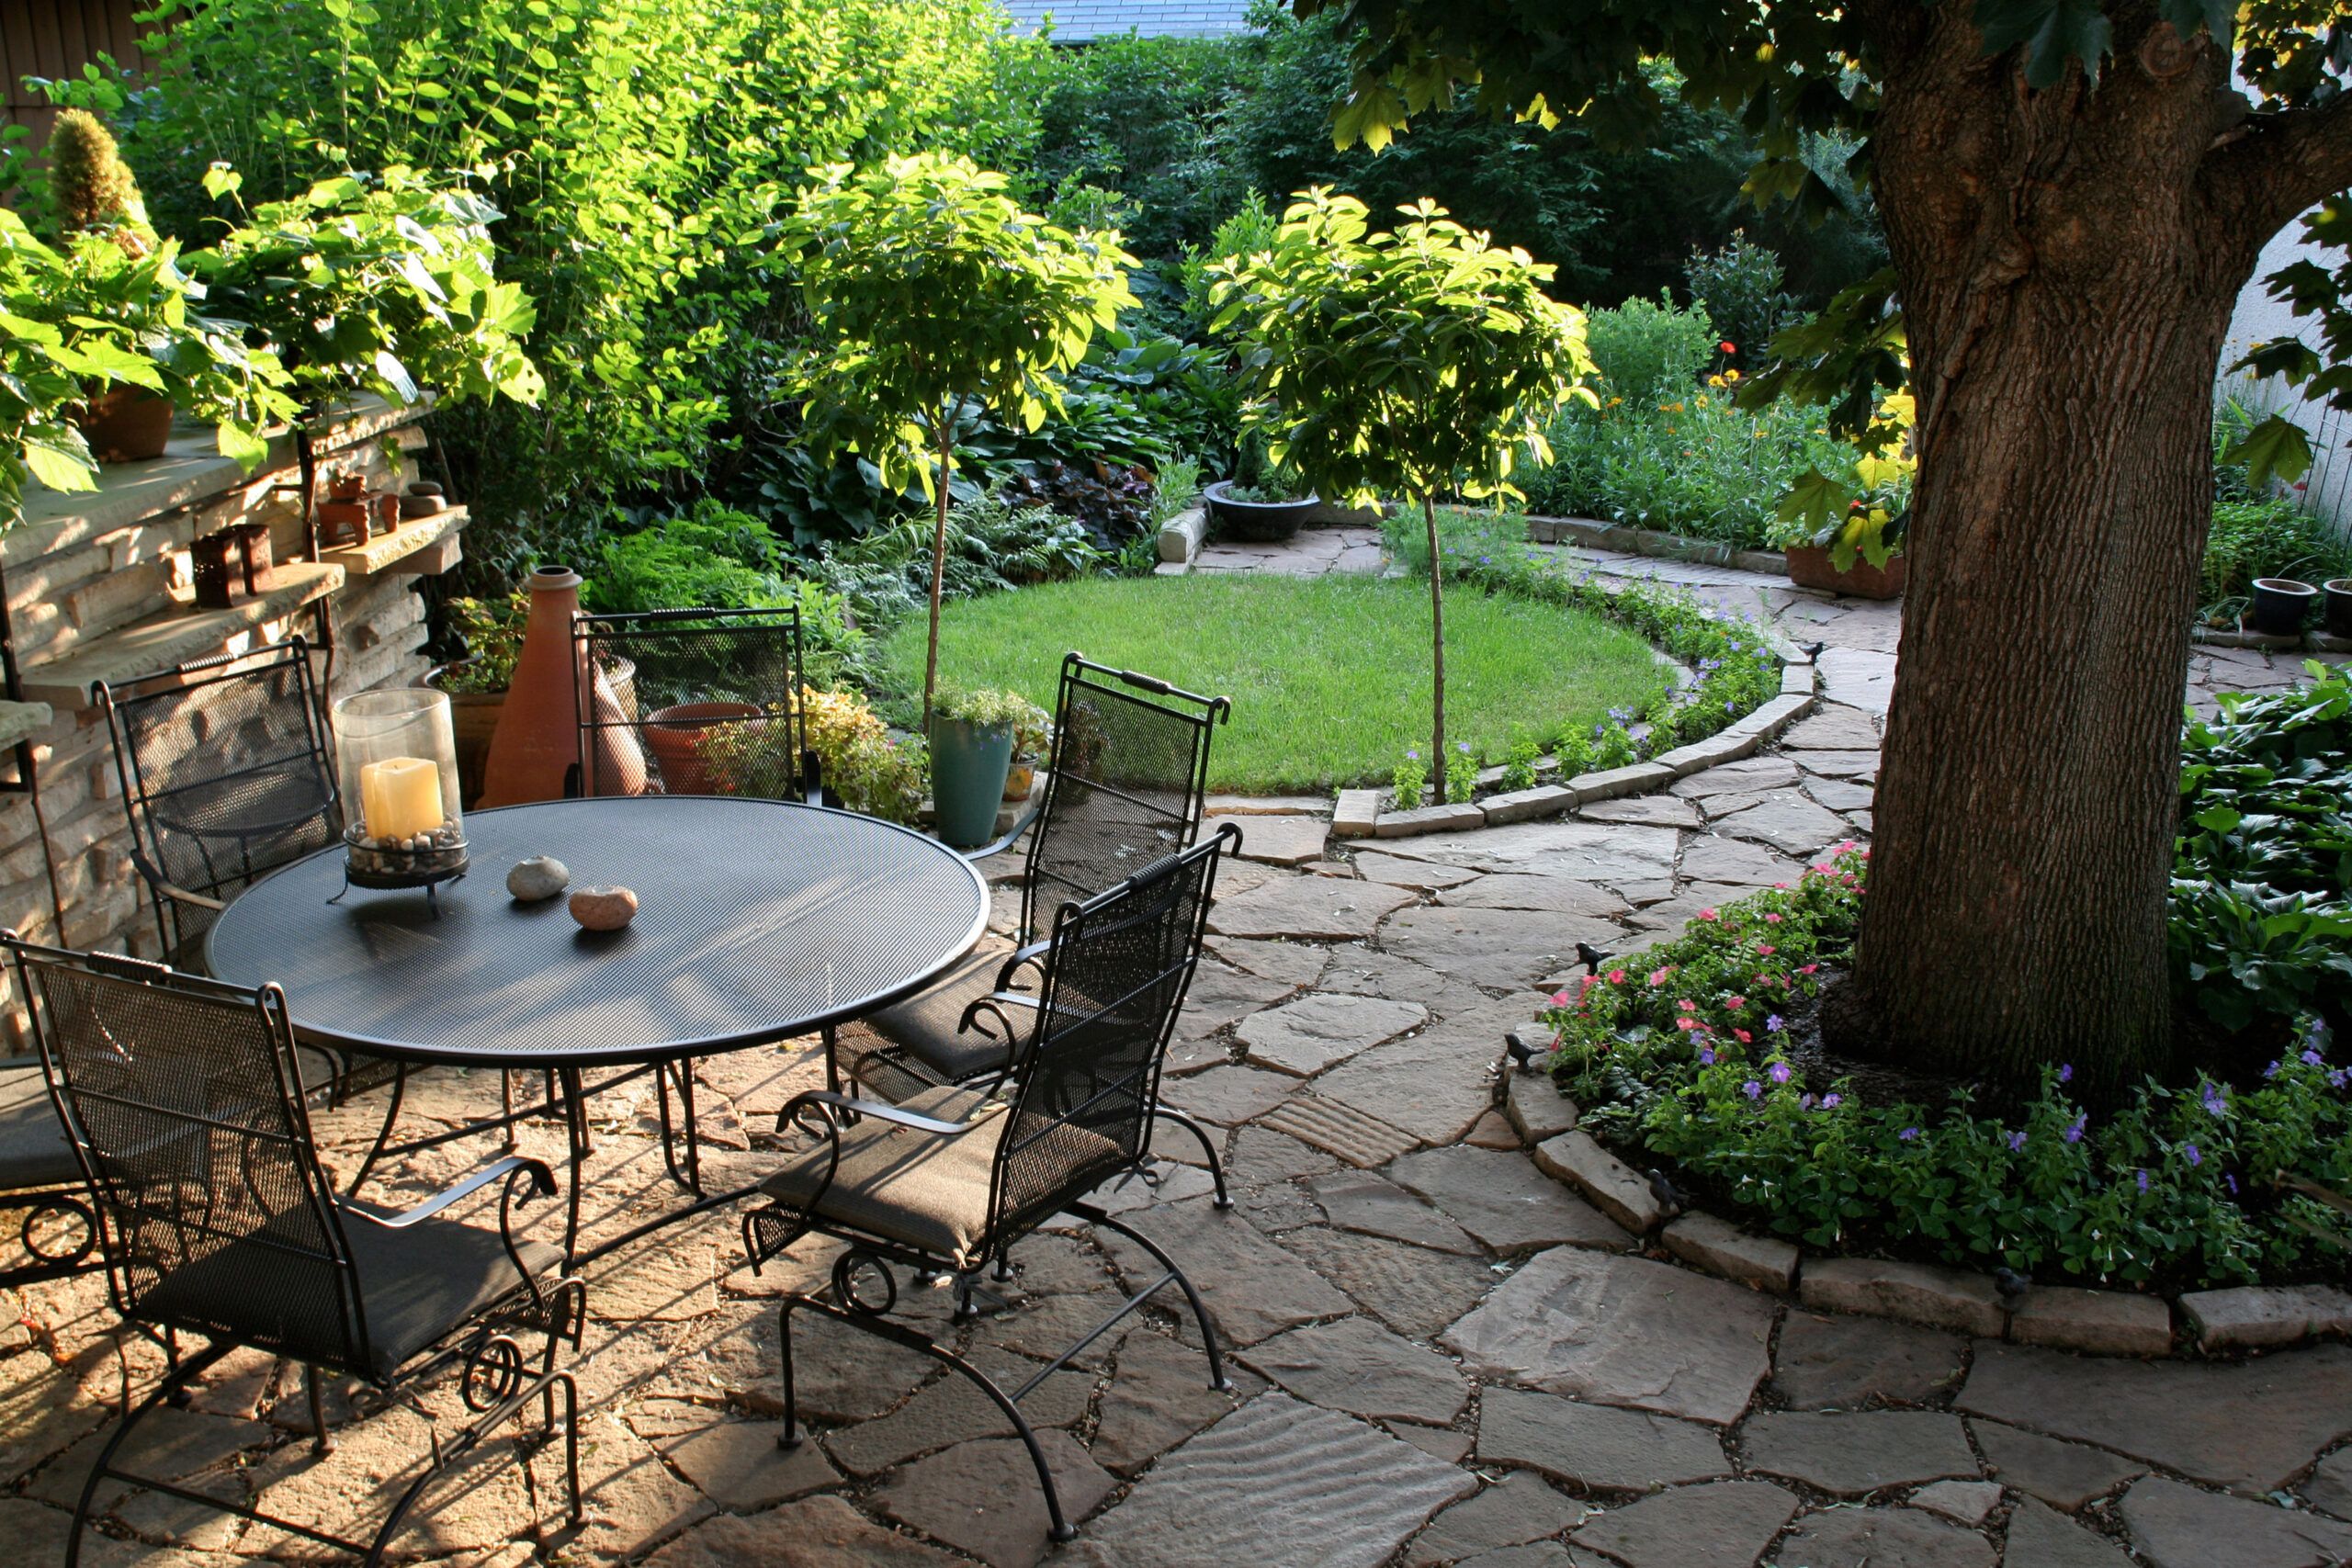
[1441, 1354]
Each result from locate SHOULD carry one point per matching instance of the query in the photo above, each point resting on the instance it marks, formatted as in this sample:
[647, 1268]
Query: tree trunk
[938, 561]
[1437, 651]
[2067, 281]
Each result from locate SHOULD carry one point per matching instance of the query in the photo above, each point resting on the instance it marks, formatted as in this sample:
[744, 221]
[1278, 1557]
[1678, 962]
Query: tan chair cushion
[923, 1026]
[920, 1190]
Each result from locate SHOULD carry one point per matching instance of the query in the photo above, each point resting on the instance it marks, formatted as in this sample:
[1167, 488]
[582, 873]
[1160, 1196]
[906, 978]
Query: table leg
[575, 1124]
[689, 1178]
[384, 1134]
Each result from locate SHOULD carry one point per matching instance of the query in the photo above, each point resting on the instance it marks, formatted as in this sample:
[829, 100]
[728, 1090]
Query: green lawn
[1329, 676]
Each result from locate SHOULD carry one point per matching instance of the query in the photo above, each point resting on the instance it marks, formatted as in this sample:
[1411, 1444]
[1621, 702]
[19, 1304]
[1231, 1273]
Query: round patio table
[757, 921]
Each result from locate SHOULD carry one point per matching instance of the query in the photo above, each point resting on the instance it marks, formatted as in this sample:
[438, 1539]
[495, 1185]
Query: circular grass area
[1330, 676]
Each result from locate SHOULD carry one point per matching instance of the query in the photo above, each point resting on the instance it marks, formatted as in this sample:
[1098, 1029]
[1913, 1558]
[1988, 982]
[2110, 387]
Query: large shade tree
[1417, 361]
[2074, 192]
[929, 285]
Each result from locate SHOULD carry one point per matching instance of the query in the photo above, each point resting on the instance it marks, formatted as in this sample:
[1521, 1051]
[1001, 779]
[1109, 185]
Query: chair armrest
[1023, 825]
[880, 1111]
[1020, 958]
[996, 1003]
[542, 1186]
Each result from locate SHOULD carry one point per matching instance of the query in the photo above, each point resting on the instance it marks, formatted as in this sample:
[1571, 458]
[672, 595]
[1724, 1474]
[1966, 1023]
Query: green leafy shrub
[1677, 1053]
[2261, 925]
[2266, 538]
[708, 556]
[1409, 781]
[1736, 286]
[1650, 351]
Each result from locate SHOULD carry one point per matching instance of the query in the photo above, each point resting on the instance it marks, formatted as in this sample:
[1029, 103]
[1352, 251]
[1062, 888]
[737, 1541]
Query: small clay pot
[126, 424]
[603, 909]
[674, 735]
[2281, 607]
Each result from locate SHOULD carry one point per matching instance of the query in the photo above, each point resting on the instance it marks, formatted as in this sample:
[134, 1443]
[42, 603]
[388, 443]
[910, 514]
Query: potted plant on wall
[932, 288]
[92, 192]
[1845, 536]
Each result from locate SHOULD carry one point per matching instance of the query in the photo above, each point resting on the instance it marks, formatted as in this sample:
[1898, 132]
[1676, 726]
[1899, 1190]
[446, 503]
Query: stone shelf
[160, 641]
[19, 719]
[396, 551]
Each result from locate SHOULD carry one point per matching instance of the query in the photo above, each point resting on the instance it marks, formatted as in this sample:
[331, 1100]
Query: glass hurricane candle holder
[396, 754]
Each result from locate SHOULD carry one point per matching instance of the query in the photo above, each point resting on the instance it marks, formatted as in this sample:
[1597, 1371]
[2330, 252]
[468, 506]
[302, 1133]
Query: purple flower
[2335, 1078]
[2144, 1181]
[1772, 1022]
[1804, 1103]
[2017, 1142]
[1831, 1101]
[2194, 1157]
[2314, 1059]
[1706, 1057]
[2066, 1072]
[2216, 1102]
[1908, 1133]
[1463, 747]
[1779, 1072]
[2231, 1182]
[1753, 1090]
[2271, 1071]
[2074, 1134]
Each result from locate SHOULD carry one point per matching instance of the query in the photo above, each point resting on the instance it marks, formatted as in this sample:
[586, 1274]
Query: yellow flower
[1669, 408]
[1714, 380]
[1731, 375]
[1703, 402]
[1615, 401]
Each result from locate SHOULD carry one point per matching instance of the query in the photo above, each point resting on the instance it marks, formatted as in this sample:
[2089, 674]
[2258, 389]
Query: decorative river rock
[542, 876]
[603, 909]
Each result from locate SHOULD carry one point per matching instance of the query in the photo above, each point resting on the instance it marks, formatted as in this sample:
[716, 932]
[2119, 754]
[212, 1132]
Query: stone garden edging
[2056, 1317]
[1653, 543]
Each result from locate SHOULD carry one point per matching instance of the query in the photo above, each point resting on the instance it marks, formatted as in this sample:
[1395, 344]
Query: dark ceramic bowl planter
[2339, 606]
[2281, 607]
[1260, 521]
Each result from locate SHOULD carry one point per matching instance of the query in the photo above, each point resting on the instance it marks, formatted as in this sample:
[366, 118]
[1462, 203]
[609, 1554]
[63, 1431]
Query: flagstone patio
[1443, 1355]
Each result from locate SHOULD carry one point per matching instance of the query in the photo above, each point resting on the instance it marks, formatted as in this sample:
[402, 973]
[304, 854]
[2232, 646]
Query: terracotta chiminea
[536, 744]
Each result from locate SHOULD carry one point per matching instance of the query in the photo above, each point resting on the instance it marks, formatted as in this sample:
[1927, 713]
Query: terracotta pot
[615, 762]
[1018, 780]
[535, 748]
[675, 736]
[1809, 567]
[126, 424]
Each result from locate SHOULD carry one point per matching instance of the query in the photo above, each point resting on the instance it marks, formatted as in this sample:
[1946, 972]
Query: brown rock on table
[603, 909]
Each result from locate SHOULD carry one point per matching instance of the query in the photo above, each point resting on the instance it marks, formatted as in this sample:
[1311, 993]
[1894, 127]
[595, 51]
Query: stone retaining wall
[99, 587]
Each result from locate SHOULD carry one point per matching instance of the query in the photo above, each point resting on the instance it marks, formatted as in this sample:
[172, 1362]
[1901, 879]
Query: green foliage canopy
[1407, 362]
[929, 285]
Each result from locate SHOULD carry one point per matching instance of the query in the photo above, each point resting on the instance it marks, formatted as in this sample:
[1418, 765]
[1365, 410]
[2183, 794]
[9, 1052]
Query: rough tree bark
[2068, 268]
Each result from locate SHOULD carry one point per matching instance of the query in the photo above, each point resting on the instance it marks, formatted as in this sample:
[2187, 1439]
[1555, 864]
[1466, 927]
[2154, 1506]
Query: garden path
[1443, 1355]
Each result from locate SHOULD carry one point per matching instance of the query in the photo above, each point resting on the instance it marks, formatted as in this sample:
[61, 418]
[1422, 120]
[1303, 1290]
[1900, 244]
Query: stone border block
[1181, 535]
[1639, 778]
[1773, 717]
[1914, 1292]
[1706, 1242]
[1796, 679]
[1712, 752]
[1614, 1187]
[1428, 819]
[1523, 805]
[2249, 1317]
[1356, 814]
[1537, 1108]
[2101, 1323]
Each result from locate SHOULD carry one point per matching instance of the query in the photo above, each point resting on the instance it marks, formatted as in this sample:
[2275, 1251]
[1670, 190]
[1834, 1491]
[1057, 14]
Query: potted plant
[1416, 363]
[2281, 607]
[1265, 501]
[92, 192]
[1861, 557]
[1845, 536]
[971, 751]
[864, 767]
[1033, 732]
[2339, 606]
[488, 637]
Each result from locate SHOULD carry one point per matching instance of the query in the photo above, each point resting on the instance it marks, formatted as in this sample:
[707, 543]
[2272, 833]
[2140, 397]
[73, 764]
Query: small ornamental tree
[931, 286]
[1416, 363]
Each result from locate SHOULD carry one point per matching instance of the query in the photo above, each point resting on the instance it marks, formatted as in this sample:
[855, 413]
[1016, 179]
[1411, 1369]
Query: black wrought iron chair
[947, 1181]
[692, 702]
[225, 775]
[188, 1122]
[1128, 779]
[40, 1182]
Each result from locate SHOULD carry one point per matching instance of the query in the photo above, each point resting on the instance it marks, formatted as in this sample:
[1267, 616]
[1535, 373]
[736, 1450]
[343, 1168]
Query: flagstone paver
[1380, 979]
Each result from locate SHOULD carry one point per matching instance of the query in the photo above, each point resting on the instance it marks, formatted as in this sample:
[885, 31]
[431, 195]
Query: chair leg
[1097, 1217]
[174, 1380]
[320, 1444]
[1062, 1529]
[1208, 1147]
[791, 1436]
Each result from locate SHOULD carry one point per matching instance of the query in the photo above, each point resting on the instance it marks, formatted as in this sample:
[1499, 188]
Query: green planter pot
[969, 763]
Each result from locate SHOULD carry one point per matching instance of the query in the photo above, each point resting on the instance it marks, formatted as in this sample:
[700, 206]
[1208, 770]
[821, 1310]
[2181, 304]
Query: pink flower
[1744, 1037]
[1737, 1003]
[1559, 998]
[1771, 919]
[1686, 1005]
[1783, 886]
[1763, 950]
[1808, 968]
[1616, 976]
[1706, 914]
[1686, 1023]
[1658, 976]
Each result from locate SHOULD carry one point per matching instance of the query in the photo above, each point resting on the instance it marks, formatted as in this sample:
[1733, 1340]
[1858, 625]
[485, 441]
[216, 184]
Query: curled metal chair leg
[1095, 1216]
[322, 1444]
[1208, 1147]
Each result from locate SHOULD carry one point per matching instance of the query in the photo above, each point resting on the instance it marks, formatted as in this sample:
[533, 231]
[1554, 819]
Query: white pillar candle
[401, 797]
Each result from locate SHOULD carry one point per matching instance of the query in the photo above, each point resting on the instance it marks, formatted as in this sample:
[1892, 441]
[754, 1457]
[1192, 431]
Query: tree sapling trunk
[1436, 650]
[938, 562]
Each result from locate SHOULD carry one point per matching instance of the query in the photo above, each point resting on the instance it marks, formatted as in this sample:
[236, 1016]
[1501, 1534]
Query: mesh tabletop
[756, 921]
